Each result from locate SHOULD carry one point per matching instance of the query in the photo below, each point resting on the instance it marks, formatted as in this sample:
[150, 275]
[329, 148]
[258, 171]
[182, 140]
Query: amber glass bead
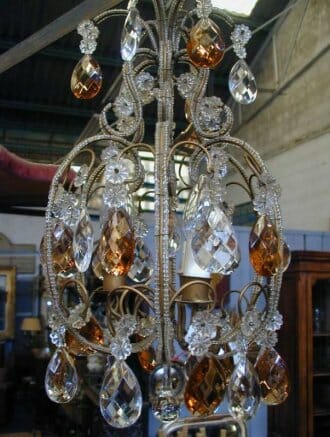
[273, 376]
[86, 79]
[205, 46]
[91, 331]
[147, 359]
[206, 386]
[265, 255]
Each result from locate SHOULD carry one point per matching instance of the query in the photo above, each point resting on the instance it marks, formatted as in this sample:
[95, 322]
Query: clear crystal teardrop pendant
[120, 396]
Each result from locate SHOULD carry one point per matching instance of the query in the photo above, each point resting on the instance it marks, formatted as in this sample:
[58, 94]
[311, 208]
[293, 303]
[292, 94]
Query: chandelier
[197, 348]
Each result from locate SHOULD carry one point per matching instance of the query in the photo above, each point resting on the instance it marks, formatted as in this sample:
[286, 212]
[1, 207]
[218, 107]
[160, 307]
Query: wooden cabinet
[304, 342]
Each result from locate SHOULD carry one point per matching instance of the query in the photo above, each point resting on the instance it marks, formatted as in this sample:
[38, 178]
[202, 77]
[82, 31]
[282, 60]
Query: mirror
[7, 302]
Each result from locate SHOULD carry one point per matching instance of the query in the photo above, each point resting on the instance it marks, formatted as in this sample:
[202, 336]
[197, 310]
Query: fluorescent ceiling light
[239, 7]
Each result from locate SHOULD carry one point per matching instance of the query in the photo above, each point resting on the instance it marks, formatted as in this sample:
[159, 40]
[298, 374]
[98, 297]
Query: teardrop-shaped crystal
[83, 240]
[243, 390]
[264, 247]
[166, 407]
[198, 195]
[131, 35]
[91, 331]
[174, 238]
[86, 79]
[147, 359]
[167, 378]
[214, 244]
[142, 267]
[117, 243]
[227, 363]
[120, 396]
[97, 266]
[62, 251]
[273, 376]
[242, 84]
[206, 386]
[286, 256]
[61, 380]
[205, 46]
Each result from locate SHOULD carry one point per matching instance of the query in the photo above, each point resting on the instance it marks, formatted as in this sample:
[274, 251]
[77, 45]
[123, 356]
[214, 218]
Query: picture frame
[7, 302]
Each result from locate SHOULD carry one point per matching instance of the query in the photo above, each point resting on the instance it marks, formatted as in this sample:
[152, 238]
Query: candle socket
[196, 292]
[111, 282]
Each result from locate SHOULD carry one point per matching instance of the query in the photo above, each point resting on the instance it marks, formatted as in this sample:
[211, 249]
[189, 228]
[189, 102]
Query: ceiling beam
[52, 109]
[71, 55]
[54, 31]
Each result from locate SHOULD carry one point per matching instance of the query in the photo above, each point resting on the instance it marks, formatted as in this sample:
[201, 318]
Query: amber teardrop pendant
[264, 247]
[147, 359]
[205, 46]
[91, 331]
[117, 243]
[86, 79]
[273, 376]
[206, 386]
[62, 251]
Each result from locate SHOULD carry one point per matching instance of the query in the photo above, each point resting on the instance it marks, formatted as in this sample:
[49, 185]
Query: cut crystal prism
[86, 79]
[83, 242]
[116, 246]
[214, 244]
[131, 35]
[120, 396]
[205, 46]
[206, 386]
[142, 267]
[243, 390]
[265, 255]
[61, 380]
[274, 378]
[242, 84]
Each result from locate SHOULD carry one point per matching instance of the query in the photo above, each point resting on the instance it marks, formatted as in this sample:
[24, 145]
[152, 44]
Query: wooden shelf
[306, 286]
[321, 411]
[321, 334]
[319, 373]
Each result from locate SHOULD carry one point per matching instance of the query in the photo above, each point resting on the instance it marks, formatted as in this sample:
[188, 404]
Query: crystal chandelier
[195, 348]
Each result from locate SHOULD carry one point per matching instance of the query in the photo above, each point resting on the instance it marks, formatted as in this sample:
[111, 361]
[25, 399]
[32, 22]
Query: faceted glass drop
[200, 193]
[166, 407]
[91, 331]
[62, 251]
[243, 390]
[286, 256]
[205, 46]
[83, 242]
[86, 79]
[61, 380]
[167, 378]
[147, 359]
[206, 387]
[120, 396]
[226, 363]
[273, 376]
[242, 84]
[117, 243]
[142, 267]
[174, 239]
[131, 35]
[264, 247]
[97, 266]
[214, 244]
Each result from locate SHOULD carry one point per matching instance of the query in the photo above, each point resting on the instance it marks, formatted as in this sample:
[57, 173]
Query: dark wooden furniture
[304, 342]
